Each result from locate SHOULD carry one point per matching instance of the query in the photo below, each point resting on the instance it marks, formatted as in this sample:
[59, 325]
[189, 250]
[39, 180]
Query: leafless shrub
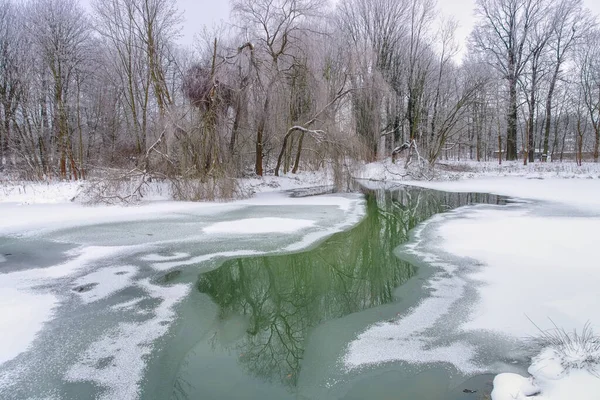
[116, 187]
[208, 190]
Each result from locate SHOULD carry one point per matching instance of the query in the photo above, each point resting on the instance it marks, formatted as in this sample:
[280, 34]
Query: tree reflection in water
[285, 296]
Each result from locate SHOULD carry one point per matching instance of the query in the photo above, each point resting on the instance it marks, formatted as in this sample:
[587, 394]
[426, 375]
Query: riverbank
[537, 275]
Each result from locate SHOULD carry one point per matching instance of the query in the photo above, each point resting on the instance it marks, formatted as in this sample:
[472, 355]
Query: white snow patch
[106, 281]
[406, 338]
[39, 192]
[82, 257]
[117, 360]
[259, 225]
[23, 315]
[534, 267]
[512, 387]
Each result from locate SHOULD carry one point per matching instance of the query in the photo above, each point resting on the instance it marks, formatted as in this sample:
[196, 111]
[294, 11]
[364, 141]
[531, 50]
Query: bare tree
[60, 30]
[275, 28]
[502, 33]
[590, 85]
[570, 24]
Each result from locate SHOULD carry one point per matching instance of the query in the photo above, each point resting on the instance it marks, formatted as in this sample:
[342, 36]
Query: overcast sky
[198, 13]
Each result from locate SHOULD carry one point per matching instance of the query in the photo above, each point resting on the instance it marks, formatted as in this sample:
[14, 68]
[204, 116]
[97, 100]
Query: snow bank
[530, 262]
[460, 170]
[549, 380]
[534, 267]
[583, 193]
[55, 192]
[39, 192]
[259, 225]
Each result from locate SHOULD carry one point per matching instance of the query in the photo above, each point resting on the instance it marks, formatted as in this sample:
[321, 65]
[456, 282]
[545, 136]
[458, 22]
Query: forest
[289, 85]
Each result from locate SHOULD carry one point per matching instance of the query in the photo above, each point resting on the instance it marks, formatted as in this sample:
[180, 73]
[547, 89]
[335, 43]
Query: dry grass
[577, 350]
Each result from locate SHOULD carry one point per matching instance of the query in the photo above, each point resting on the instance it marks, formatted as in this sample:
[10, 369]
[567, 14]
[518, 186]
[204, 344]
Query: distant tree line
[290, 85]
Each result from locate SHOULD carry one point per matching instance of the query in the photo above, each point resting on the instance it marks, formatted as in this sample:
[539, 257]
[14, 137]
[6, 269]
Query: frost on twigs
[209, 189]
[117, 187]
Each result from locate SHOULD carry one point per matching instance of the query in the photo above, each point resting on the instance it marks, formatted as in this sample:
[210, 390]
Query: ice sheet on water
[167, 265]
[583, 193]
[127, 304]
[116, 361]
[24, 308]
[406, 339]
[259, 225]
[160, 257]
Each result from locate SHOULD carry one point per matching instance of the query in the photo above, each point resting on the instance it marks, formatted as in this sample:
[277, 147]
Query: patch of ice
[259, 225]
[105, 282]
[24, 310]
[164, 266]
[406, 339]
[117, 360]
[2, 258]
[159, 257]
[23, 314]
[81, 258]
[354, 213]
[127, 304]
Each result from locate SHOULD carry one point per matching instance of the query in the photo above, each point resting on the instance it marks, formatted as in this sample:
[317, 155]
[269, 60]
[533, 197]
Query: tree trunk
[548, 121]
[511, 131]
[298, 153]
[258, 166]
[597, 143]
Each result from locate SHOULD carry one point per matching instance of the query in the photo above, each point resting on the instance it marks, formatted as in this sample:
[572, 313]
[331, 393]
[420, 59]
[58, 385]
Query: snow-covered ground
[57, 192]
[533, 265]
[460, 170]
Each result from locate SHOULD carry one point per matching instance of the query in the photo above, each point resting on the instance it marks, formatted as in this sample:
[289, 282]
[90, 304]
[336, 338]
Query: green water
[275, 327]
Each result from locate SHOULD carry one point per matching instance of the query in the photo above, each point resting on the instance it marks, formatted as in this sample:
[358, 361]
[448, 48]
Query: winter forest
[289, 85]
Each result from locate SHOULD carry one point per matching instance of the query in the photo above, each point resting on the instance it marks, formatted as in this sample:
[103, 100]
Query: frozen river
[320, 297]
